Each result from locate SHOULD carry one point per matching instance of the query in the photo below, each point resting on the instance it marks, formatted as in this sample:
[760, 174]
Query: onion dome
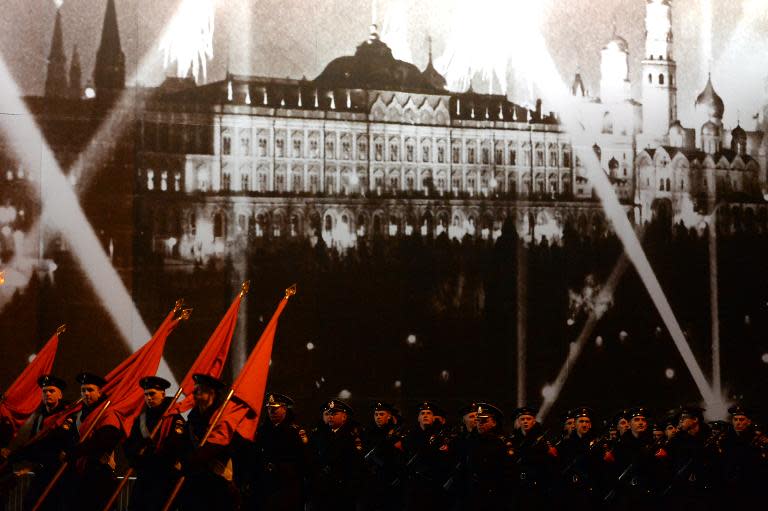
[709, 102]
[739, 140]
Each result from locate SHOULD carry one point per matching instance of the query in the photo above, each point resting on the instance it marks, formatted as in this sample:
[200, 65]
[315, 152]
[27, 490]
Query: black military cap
[49, 380]
[154, 382]
[209, 381]
[383, 406]
[470, 408]
[525, 410]
[488, 410]
[90, 379]
[275, 400]
[656, 426]
[738, 409]
[337, 405]
[582, 411]
[428, 405]
[718, 426]
[624, 414]
[692, 411]
[637, 411]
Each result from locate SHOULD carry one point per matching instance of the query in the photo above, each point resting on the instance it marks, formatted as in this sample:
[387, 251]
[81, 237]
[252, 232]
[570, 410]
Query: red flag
[241, 414]
[211, 360]
[23, 396]
[122, 387]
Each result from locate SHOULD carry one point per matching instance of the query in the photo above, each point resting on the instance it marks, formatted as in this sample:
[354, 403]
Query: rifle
[678, 475]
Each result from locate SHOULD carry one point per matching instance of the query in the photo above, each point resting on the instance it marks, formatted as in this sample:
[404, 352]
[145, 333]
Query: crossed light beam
[539, 67]
[60, 204]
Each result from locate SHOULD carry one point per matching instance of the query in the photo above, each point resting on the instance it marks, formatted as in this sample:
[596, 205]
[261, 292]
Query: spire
[75, 75]
[109, 71]
[429, 43]
[56, 79]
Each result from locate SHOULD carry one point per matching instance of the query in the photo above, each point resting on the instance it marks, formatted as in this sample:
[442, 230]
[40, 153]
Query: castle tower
[75, 75]
[659, 79]
[614, 71]
[109, 71]
[56, 78]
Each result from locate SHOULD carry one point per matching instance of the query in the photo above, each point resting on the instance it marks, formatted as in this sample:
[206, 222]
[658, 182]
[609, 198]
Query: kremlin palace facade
[374, 146]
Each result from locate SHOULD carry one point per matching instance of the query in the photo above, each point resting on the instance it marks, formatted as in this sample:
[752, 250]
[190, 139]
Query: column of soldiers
[339, 464]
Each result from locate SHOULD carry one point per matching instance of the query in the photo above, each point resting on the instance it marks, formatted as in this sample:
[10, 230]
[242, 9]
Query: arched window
[650, 78]
[661, 79]
[669, 188]
[218, 225]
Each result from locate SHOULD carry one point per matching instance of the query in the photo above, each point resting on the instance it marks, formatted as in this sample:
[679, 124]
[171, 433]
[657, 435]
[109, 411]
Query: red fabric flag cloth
[122, 387]
[211, 360]
[23, 396]
[242, 413]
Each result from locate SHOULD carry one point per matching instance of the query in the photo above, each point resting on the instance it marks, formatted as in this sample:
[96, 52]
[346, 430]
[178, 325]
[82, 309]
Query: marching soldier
[337, 465]
[692, 452]
[743, 462]
[44, 456]
[281, 450]
[535, 460]
[486, 464]
[208, 469]
[581, 458]
[638, 462]
[385, 459]
[91, 479]
[153, 461]
[428, 461]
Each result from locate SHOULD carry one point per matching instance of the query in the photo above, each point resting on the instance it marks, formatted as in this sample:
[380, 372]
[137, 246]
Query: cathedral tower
[56, 78]
[659, 71]
[109, 71]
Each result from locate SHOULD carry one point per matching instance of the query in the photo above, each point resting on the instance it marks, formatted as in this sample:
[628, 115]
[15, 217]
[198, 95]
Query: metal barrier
[14, 501]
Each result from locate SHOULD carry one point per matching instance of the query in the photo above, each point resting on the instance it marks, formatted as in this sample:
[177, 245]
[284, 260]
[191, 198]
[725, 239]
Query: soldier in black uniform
[535, 461]
[281, 457]
[337, 466]
[154, 460]
[581, 460]
[692, 456]
[385, 460]
[44, 455]
[486, 466]
[91, 476]
[638, 464]
[429, 461]
[743, 461]
[208, 469]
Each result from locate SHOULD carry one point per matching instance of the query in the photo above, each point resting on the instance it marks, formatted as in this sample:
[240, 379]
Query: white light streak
[345, 394]
[188, 38]
[491, 37]
[394, 31]
[60, 204]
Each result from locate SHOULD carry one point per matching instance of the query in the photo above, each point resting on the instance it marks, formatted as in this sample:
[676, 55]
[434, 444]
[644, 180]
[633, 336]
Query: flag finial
[61, 329]
[186, 313]
[290, 291]
[179, 304]
[245, 287]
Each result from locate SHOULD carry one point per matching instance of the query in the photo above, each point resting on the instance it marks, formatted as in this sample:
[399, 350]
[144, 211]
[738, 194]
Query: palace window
[456, 155]
[262, 146]
[470, 155]
[297, 148]
[280, 147]
[440, 154]
[226, 144]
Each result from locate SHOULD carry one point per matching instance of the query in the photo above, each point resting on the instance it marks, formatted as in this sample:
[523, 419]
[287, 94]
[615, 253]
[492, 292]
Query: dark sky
[298, 38]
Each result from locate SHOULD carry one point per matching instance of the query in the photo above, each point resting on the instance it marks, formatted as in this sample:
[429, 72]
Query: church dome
[709, 129]
[709, 102]
[617, 43]
[373, 67]
[738, 134]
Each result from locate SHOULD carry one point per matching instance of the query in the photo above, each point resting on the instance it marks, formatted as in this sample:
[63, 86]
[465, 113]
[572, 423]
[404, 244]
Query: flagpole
[182, 479]
[131, 470]
[185, 314]
[64, 465]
